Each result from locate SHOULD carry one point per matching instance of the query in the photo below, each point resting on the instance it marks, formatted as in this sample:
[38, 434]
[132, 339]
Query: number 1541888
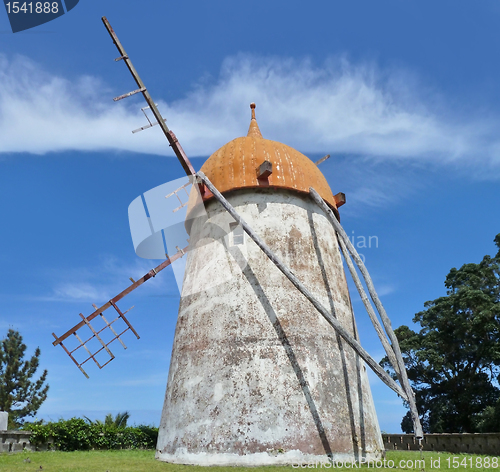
[473, 462]
[32, 7]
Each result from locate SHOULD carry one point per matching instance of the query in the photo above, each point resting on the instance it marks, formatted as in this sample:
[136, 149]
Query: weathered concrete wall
[257, 376]
[18, 441]
[485, 443]
[15, 441]
[4, 420]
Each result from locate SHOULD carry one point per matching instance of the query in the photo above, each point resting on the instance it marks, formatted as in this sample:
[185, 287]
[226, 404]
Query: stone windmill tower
[258, 376]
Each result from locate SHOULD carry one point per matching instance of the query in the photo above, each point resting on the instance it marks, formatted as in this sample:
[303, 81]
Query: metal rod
[146, 115]
[125, 319]
[87, 349]
[106, 363]
[101, 330]
[402, 375]
[72, 358]
[129, 94]
[381, 373]
[142, 128]
[113, 331]
[104, 346]
[174, 143]
[151, 273]
[97, 335]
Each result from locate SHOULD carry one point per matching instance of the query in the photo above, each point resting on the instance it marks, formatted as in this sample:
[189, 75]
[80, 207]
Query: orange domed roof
[236, 164]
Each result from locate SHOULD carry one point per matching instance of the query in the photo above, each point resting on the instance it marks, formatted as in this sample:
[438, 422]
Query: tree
[20, 396]
[453, 362]
[119, 421]
[489, 419]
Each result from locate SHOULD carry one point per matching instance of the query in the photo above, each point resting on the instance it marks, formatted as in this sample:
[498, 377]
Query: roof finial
[253, 130]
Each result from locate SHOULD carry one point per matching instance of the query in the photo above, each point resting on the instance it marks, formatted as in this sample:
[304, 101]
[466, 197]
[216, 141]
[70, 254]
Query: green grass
[144, 461]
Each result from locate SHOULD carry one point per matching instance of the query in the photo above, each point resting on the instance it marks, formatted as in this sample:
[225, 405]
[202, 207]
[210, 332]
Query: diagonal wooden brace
[401, 371]
[371, 313]
[381, 373]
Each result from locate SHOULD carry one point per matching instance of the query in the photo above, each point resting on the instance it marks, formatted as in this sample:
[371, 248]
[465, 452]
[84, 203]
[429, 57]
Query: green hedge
[77, 434]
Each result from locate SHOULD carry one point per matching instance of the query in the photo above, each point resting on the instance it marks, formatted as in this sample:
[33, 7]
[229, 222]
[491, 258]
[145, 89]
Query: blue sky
[403, 95]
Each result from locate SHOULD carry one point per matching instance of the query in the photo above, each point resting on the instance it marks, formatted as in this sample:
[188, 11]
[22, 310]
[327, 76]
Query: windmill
[266, 366]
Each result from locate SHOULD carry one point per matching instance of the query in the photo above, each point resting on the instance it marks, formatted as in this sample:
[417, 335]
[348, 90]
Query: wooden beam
[172, 139]
[264, 170]
[368, 306]
[339, 199]
[402, 375]
[323, 159]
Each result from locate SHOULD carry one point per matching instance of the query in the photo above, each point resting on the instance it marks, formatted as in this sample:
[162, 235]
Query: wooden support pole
[403, 377]
[323, 159]
[368, 306]
[381, 373]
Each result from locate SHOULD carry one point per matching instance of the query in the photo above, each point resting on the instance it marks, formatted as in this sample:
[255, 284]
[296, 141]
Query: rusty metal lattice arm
[400, 367]
[90, 354]
[96, 334]
[122, 316]
[174, 143]
[349, 339]
[113, 301]
[109, 325]
[70, 354]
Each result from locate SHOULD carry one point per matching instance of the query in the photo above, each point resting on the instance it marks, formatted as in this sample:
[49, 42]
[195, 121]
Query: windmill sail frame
[99, 312]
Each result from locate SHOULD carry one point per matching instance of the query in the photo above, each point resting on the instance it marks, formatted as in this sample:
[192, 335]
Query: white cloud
[80, 291]
[107, 279]
[335, 108]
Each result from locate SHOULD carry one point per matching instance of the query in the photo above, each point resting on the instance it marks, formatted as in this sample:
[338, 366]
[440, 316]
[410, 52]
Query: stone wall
[15, 441]
[18, 441]
[467, 443]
